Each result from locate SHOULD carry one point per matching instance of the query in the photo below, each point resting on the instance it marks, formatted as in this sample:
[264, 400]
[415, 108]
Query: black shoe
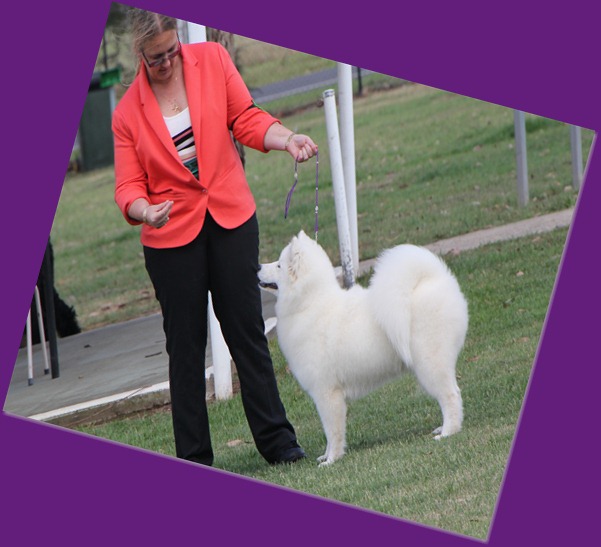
[290, 455]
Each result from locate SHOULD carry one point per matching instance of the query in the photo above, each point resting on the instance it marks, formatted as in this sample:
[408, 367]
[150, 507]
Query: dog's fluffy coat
[342, 344]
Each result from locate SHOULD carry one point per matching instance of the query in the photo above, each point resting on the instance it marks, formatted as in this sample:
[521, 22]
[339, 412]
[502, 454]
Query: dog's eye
[279, 265]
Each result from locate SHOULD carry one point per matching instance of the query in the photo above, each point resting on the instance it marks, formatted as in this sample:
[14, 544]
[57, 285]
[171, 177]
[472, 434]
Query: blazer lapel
[152, 111]
[193, 87]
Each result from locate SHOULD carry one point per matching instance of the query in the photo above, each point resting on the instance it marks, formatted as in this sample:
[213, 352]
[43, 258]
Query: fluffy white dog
[342, 344]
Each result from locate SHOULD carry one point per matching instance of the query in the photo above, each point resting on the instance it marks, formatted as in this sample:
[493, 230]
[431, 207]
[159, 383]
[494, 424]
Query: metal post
[220, 354]
[359, 82]
[196, 33]
[29, 350]
[347, 142]
[222, 369]
[48, 296]
[344, 237]
[521, 157]
[576, 145]
[41, 330]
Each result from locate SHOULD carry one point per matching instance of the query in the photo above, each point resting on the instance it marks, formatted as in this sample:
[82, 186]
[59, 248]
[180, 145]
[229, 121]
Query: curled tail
[403, 278]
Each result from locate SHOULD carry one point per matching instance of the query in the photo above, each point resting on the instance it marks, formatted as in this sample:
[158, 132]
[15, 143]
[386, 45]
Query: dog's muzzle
[264, 285]
[268, 285]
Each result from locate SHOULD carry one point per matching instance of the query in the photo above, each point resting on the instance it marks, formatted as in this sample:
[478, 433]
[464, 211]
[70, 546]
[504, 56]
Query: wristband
[288, 140]
[144, 213]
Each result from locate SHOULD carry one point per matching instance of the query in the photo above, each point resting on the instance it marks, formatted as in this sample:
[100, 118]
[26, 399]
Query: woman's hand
[300, 147]
[157, 215]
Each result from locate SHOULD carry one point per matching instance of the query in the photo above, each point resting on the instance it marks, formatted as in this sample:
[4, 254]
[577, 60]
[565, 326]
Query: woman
[179, 175]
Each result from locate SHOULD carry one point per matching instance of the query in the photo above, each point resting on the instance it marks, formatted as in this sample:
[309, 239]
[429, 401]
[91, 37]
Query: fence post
[222, 368]
[576, 145]
[521, 157]
[347, 144]
[342, 219]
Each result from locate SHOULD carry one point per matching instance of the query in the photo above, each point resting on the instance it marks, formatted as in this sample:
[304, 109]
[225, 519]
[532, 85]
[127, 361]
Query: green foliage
[393, 465]
[429, 165]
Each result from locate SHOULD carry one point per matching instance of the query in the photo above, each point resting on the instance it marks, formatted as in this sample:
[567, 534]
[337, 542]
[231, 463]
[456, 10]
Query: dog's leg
[452, 414]
[441, 384]
[331, 406]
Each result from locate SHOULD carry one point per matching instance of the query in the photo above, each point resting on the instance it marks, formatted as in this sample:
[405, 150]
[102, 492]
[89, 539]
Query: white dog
[342, 344]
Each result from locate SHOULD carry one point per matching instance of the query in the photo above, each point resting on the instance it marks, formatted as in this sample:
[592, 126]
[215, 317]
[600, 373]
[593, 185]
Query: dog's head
[301, 259]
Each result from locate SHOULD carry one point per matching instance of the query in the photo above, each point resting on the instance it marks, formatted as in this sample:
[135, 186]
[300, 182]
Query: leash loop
[289, 196]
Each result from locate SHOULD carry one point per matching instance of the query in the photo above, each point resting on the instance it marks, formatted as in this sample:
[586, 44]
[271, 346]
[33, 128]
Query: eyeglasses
[165, 57]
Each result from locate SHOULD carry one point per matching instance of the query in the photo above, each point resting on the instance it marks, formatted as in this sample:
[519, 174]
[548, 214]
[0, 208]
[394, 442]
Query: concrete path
[122, 368]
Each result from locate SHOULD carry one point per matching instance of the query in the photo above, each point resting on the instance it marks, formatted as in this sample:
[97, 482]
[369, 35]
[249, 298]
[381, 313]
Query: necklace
[174, 106]
[172, 102]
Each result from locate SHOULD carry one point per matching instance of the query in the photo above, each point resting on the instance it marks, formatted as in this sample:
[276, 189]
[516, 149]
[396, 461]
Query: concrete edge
[128, 403]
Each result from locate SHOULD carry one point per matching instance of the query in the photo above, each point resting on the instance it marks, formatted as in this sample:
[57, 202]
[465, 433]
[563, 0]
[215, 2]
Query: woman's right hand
[157, 215]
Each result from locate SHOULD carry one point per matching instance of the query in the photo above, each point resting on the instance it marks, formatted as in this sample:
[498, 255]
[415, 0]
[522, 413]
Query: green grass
[393, 465]
[430, 165]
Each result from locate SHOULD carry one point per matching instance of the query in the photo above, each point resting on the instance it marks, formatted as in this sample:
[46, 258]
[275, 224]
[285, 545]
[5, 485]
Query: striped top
[180, 129]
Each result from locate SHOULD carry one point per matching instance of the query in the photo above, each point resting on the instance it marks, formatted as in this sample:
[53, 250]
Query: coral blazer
[147, 164]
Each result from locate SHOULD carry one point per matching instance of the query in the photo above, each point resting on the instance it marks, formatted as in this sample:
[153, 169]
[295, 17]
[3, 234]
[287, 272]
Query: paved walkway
[122, 368]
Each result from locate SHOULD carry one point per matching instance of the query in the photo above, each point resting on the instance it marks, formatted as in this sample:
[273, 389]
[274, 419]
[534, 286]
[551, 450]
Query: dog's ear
[294, 259]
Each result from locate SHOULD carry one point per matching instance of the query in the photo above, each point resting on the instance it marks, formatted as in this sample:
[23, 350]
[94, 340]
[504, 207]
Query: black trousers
[224, 262]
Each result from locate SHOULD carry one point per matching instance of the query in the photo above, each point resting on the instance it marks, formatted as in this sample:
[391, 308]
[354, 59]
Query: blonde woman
[178, 174]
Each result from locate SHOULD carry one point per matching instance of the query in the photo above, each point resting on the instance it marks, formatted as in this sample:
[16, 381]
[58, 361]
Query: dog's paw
[326, 459]
[438, 433]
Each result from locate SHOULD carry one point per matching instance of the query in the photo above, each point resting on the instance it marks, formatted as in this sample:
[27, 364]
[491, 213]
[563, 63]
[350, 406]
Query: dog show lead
[178, 175]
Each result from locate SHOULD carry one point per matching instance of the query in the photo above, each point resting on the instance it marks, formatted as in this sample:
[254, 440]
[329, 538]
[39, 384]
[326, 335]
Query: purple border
[61, 486]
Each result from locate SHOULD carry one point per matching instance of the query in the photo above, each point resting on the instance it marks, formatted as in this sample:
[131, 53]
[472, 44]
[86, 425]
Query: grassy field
[430, 165]
[393, 465]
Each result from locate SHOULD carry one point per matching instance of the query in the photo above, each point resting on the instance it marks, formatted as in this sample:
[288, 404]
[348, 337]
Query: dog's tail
[397, 275]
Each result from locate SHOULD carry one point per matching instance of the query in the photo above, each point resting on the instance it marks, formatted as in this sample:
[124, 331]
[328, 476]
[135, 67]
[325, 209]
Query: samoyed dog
[341, 344]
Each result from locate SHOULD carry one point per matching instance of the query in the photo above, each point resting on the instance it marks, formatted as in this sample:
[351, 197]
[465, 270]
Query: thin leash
[289, 197]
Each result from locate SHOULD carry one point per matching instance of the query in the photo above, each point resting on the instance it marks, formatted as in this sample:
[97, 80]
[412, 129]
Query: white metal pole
[29, 350]
[220, 354]
[344, 237]
[576, 145]
[196, 33]
[222, 368]
[38, 306]
[521, 157]
[347, 143]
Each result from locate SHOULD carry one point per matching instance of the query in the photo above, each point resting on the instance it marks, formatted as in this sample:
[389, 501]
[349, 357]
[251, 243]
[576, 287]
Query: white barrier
[521, 157]
[347, 145]
[342, 218]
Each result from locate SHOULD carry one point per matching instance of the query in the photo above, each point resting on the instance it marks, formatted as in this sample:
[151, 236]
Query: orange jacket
[147, 164]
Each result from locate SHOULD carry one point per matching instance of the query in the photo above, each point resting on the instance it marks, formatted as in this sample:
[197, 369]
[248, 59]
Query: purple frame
[65, 487]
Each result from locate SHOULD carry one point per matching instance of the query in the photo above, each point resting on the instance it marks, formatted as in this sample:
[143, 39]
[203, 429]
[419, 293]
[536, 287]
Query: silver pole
[576, 144]
[342, 219]
[521, 157]
[220, 353]
[347, 143]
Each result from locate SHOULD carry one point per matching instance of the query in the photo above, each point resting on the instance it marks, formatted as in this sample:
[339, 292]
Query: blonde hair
[144, 26]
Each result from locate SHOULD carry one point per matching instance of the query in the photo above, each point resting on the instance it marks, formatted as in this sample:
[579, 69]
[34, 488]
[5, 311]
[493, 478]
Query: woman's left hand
[301, 147]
